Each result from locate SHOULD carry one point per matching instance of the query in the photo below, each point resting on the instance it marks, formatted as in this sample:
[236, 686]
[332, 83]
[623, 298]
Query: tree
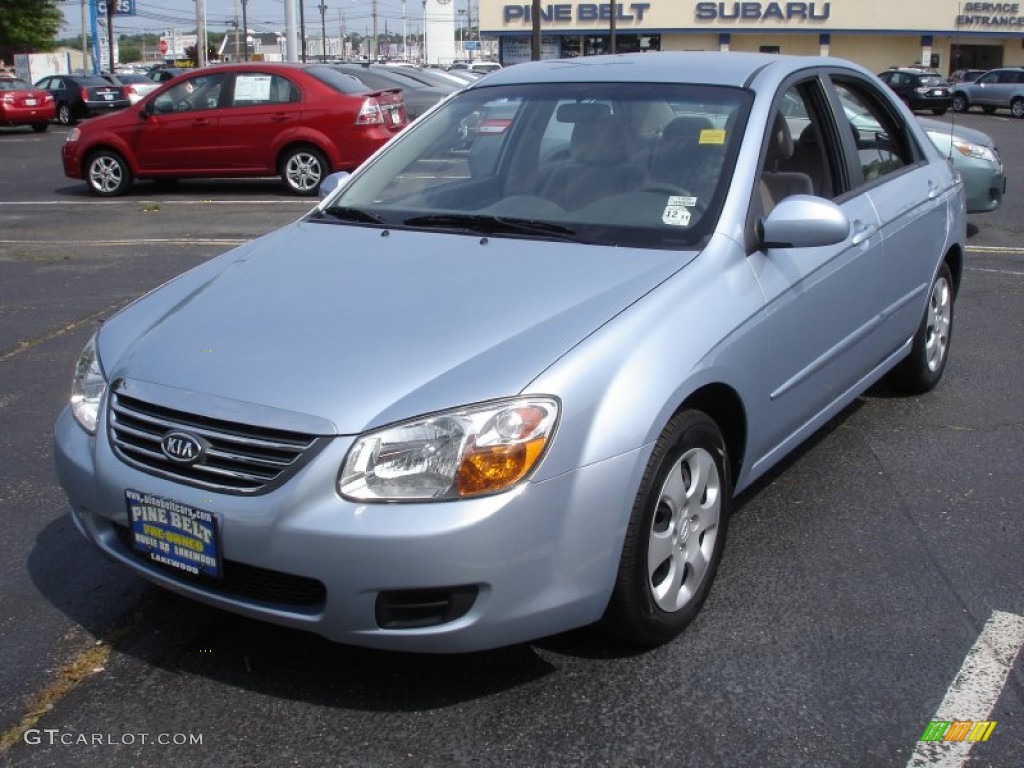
[28, 25]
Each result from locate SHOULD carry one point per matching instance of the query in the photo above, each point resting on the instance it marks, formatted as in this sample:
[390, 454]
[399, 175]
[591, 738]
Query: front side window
[195, 94]
[632, 164]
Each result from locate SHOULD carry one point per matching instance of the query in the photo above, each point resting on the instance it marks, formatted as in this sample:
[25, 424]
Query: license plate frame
[175, 534]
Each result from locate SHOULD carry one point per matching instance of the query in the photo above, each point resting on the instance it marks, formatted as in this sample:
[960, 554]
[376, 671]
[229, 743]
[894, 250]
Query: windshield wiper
[493, 225]
[349, 213]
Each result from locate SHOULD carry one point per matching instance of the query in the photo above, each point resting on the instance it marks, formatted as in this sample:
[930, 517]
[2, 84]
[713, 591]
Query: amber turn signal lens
[494, 468]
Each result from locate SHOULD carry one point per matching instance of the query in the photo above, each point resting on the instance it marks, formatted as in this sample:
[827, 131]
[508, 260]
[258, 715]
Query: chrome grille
[238, 458]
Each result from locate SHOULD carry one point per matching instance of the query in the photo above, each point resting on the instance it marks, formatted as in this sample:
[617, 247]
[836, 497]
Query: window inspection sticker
[712, 136]
[677, 210]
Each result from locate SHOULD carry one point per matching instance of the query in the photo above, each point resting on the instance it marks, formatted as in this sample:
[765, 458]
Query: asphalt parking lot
[860, 579]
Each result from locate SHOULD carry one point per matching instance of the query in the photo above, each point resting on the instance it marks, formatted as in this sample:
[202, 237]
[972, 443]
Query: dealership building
[946, 34]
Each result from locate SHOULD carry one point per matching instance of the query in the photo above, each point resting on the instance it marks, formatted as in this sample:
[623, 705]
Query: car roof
[695, 67]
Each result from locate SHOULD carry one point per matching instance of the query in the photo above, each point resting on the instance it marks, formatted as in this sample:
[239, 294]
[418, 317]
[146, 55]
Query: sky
[157, 16]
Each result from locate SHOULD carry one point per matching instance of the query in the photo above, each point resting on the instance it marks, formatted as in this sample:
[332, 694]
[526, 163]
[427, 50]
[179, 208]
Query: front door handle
[862, 231]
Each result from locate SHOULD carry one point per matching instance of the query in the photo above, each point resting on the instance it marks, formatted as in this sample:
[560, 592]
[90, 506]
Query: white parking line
[974, 691]
[994, 249]
[997, 271]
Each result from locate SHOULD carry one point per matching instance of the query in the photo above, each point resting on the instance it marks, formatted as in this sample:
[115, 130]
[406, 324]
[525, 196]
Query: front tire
[676, 533]
[923, 367]
[107, 173]
[302, 170]
[960, 103]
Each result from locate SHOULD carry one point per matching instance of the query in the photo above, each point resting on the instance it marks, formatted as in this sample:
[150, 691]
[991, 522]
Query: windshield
[628, 164]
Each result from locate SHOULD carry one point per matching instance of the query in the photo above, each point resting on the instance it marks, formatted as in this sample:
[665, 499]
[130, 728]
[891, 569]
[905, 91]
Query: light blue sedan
[502, 383]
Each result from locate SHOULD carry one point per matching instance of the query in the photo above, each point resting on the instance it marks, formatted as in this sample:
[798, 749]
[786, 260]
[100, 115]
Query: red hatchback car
[301, 122]
[21, 103]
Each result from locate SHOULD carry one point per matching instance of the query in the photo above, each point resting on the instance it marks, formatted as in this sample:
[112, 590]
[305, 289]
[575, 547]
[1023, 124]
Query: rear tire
[676, 533]
[65, 115]
[960, 103]
[1017, 108]
[922, 369]
[302, 170]
[107, 173]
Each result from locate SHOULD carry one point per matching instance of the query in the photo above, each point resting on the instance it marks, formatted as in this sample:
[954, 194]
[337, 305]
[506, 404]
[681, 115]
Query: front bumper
[538, 560]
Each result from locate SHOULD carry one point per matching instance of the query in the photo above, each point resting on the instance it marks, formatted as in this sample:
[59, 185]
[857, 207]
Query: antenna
[956, 48]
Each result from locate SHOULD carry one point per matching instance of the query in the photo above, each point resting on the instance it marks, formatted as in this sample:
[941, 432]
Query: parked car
[919, 90]
[80, 96]
[238, 120]
[972, 153]
[482, 67]
[487, 393]
[162, 74]
[135, 85]
[996, 89]
[975, 156]
[966, 75]
[419, 96]
[21, 103]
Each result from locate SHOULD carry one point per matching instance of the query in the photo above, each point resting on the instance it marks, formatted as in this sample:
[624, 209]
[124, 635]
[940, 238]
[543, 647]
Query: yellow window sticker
[712, 136]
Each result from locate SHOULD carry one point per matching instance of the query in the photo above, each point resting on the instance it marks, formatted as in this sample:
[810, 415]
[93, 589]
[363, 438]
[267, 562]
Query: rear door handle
[202, 122]
[280, 117]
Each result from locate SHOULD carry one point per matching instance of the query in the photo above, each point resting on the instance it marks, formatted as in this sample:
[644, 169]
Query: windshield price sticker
[174, 534]
[677, 211]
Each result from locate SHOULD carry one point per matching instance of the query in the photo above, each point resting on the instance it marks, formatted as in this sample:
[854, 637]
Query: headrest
[582, 113]
[780, 141]
[596, 140]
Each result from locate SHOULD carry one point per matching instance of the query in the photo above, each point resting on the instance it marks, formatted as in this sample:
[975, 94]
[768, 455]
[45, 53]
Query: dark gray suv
[996, 89]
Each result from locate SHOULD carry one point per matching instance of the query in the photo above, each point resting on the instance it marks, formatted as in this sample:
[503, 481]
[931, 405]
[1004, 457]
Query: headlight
[472, 451]
[88, 387]
[74, 135]
[975, 150]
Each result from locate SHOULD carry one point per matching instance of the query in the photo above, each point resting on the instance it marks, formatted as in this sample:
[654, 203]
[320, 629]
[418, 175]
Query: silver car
[996, 89]
[500, 385]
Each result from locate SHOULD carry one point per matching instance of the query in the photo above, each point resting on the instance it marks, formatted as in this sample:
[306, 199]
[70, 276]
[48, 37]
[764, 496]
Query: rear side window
[336, 80]
[882, 148]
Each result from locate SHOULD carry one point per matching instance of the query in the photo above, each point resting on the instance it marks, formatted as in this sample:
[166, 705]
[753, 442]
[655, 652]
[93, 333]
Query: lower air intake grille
[244, 581]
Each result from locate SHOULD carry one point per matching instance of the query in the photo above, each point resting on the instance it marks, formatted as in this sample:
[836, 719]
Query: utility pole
[469, 25]
[423, 53]
[302, 27]
[611, 24]
[200, 33]
[535, 38]
[405, 36]
[85, 43]
[245, 29]
[373, 56]
[341, 36]
[323, 28]
[289, 30]
[236, 30]
[111, 6]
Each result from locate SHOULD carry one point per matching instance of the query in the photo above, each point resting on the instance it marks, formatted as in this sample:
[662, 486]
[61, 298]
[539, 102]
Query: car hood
[961, 132]
[363, 327]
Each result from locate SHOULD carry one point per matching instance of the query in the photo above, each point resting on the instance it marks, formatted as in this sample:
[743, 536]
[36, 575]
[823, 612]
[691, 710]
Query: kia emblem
[181, 447]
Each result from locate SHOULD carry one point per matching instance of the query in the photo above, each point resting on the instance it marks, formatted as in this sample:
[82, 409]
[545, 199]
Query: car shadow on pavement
[158, 629]
[190, 188]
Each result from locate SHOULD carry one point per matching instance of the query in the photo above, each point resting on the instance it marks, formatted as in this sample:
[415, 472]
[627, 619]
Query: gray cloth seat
[593, 169]
[683, 160]
[775, 185]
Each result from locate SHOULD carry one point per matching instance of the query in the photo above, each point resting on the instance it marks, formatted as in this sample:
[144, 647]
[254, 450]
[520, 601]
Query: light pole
[323, 27]
[302, 27]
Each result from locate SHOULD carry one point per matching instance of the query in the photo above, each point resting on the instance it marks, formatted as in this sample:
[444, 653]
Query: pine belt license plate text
[174, 534]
